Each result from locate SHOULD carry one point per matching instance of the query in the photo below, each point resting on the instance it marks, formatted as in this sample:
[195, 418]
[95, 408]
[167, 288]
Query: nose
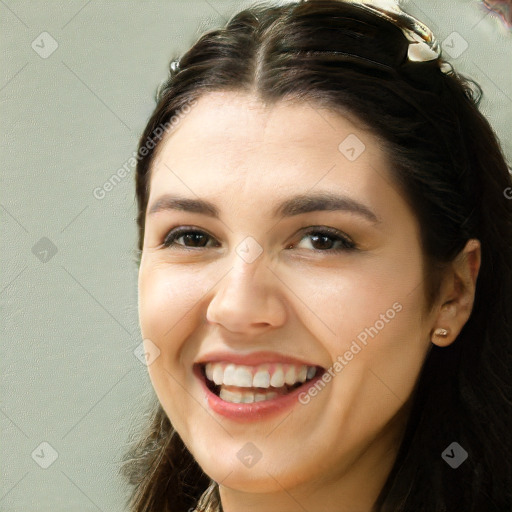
[248, 299]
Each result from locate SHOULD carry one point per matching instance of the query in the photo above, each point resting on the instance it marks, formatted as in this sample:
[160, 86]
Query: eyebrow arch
[296, 205]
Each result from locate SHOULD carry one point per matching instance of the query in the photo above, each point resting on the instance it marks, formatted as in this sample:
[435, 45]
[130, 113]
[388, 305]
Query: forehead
[231, 139]
[240, 120]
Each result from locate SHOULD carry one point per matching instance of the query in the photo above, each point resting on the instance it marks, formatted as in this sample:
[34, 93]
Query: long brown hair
[449, 166]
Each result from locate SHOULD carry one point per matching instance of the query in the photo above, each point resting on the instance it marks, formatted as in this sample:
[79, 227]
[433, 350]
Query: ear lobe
[458, 299]
[443, 336]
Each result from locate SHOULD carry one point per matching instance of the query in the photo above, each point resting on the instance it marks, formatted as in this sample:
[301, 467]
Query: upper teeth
[262, 376]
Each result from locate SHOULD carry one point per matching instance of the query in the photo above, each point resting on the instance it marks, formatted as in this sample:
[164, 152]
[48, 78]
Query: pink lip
[254, 411]
[253, 359]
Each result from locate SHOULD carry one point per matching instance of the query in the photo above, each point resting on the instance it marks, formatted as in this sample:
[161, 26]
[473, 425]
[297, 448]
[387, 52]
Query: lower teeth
[248, 396]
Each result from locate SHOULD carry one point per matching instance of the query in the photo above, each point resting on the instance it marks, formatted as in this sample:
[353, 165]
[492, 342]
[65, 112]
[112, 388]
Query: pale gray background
[69, 374]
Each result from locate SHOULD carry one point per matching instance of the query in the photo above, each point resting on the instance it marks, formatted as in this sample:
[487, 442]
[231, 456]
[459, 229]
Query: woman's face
[256, 281]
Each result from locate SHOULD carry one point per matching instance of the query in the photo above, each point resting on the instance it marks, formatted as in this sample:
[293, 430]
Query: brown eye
[196, 238]
[324, 239]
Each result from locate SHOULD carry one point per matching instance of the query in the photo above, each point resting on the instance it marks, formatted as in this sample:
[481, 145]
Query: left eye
[323, 237]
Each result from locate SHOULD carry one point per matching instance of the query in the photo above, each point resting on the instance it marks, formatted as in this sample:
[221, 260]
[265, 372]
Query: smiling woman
[325, 269]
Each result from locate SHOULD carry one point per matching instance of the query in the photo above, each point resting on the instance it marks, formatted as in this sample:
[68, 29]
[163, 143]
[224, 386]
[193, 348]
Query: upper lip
[252, 359]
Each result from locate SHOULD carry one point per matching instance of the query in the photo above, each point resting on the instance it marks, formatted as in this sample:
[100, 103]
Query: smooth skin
[298, 297]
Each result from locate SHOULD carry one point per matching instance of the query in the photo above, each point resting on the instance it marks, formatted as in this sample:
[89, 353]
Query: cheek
[167, 301]
[377, 354]
[375, 315]
[383, 350]
[370, 300]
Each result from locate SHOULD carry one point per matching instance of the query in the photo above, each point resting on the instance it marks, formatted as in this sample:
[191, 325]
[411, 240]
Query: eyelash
[332, 233]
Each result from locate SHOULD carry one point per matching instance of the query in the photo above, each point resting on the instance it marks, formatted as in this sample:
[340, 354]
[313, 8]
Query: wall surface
[77, 85]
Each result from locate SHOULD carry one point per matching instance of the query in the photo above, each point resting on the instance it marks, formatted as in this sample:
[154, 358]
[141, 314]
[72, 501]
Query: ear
[457, 295]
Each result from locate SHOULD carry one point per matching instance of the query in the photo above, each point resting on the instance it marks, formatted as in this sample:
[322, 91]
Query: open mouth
[243, 384]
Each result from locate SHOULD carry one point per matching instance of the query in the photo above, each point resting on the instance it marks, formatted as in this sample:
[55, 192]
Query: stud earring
[441, 332]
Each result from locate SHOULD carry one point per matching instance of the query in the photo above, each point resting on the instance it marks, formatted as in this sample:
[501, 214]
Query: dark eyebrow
[324, 201]
[170, 202]
[296, 205]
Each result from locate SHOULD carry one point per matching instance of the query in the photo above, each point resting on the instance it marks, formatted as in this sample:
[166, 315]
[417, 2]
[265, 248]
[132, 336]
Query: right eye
[193, 236]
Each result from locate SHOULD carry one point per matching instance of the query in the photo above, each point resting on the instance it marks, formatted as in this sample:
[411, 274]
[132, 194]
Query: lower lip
[254, 411]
